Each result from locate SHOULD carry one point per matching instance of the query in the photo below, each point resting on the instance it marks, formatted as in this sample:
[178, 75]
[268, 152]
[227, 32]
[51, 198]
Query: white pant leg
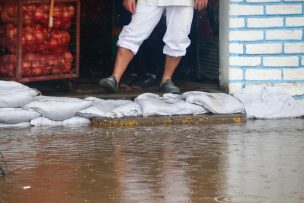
[179, 20]
[140, 28]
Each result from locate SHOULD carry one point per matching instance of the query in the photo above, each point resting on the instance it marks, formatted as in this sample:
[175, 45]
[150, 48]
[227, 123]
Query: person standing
[146, 15]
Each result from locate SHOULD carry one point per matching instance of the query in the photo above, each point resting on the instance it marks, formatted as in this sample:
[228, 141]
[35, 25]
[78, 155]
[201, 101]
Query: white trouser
[179, 20]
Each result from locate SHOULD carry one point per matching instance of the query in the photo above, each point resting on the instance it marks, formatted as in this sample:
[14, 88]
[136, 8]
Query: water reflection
[259, 161]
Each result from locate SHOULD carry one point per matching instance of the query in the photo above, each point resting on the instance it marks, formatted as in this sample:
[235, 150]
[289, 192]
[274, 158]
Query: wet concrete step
[205, 119]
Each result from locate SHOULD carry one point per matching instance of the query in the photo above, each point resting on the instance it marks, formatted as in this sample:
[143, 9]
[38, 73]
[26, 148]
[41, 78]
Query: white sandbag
[14, 95]
[269, 103]
[169, 105]
[75, 121]
[18, 125]
[17, 115]
[110, 109]
[58, 108]
[217, 103]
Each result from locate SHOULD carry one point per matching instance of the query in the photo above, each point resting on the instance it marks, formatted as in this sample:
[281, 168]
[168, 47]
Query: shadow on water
[260, 161]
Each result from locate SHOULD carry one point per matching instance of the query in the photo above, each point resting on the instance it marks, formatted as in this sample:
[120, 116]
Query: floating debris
[26, 187]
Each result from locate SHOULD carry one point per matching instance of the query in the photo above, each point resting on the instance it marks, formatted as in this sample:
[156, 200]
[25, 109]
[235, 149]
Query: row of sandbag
[20, 105]
[16, 101]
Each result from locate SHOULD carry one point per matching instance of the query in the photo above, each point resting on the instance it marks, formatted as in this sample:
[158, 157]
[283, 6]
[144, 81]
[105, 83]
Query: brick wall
[266, 44]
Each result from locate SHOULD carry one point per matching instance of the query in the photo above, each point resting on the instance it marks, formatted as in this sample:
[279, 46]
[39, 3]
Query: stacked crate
[33, 46]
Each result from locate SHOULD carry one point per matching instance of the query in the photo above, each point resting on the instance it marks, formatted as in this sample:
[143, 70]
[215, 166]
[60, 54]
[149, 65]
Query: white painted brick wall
[246, 35]
[284, 34]
[244, 61]
[265, 22]
[295, 21]
[284, 9]
[236, 74]
[294, 48]
[236, 48]
[263, 74]
[236, 9]
[293, 74]
[269, 48]
[236, 22]
[280, 61]
[265, 34]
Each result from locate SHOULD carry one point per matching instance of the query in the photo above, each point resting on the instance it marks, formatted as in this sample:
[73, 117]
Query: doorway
[199, 69]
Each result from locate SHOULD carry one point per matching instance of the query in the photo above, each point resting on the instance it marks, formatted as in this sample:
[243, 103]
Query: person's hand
[200, 4]
[130, 5]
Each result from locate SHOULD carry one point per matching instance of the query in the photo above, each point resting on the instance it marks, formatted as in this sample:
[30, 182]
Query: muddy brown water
[260, 161]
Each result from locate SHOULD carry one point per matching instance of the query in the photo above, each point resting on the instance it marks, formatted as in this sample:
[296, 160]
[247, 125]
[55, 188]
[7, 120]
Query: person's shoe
[169, 87]
[109, 84]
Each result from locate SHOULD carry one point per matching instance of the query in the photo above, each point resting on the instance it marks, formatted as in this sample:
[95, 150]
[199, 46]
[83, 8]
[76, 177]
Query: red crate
[32, 52]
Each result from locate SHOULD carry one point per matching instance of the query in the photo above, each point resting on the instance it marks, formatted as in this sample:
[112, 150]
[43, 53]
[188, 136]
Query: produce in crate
[35, 39]
[35, 64]
[39, 13]
[37, 45]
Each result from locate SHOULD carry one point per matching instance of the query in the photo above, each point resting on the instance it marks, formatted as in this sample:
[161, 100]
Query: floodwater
[259, 161]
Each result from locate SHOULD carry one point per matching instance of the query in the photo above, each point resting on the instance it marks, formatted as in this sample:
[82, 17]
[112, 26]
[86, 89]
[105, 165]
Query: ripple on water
[260, 161]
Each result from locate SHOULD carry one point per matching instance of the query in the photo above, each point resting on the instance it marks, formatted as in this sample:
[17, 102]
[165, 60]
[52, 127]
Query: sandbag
[75, 121]
[18, 125]
[58, 108]
[17, 115]
[14, 95]
[110, 109]
[269, 103]
[217, 103]
[169, 105]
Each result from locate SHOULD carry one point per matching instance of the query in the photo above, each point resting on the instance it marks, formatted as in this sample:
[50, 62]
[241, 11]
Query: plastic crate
[30, 50]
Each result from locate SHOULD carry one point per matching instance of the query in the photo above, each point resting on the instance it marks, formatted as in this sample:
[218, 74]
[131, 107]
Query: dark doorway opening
[101, 23]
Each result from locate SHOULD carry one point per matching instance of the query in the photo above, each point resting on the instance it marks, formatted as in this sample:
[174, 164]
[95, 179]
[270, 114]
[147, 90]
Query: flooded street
[259, 161]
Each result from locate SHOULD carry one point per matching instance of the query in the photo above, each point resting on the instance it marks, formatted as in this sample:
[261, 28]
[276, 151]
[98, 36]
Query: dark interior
[98, 46]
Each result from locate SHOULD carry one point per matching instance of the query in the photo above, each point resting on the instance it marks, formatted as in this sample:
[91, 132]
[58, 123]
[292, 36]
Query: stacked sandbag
[13, 96]
[21, 106]
[58, 109]
[110, 109]
[216, 103]
[18, 125]
[168, 105]
[269, 103]
[17, 115]
[71, 122]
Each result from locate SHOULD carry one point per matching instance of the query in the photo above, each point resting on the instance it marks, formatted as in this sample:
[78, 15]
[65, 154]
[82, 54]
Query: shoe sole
[108, 87]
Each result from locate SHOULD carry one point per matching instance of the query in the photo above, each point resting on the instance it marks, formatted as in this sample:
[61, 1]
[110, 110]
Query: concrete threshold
[206, 119]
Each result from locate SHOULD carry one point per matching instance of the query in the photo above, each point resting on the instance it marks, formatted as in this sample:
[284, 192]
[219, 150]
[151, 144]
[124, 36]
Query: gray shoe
[169, 87]
[109, 84]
